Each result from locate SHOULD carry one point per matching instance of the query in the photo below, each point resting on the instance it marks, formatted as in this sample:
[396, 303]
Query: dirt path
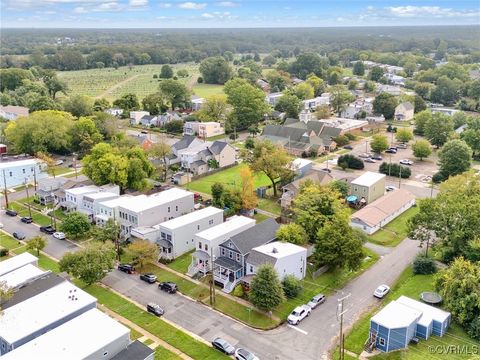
[116, 86]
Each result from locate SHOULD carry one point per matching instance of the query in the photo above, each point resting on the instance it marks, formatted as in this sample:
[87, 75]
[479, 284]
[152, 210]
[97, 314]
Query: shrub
[341, 140]
[291, 286]
[474, 329]
[424, 266]
[394, 170]
[249, 143]
[3, 252]
[238, 291]
[232, 136]
[438, 177]
[200, 80]
[352, 162]
[350, 136]
[155, 76]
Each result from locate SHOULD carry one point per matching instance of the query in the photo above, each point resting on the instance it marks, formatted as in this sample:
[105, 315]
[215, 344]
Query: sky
[235, 13]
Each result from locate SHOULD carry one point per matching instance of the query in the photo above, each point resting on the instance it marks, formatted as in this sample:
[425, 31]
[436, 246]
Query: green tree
[54, 84]
[46, 131]
[174, 127]
[6, 292]
[269, 60]
[341, 187]
[272, 160]
[421, 120]
[160, 151]
[36, 243]
[455, 158]
[106, 124]
[304, 91]
[101, 104]
[323, 112]
[379, 143]
[421, 149]
[12, 78]
[306, 64]
[278, 80]
[75, 224]
[337, 245]
[385, 104]
[79, 105]
[446, 91]
[292, 233]
[109, 232]
[419, 104]
[143, 252]
[472, 135]
[155, 103]
[359, 68]
[215, 108]
[84, 135]
[215, 70]
[248, 102]
[90, 263]
[128, 102]
[266, 290]
[369, 86]
[175, 92]
[291, 286]
[404, 135]
[340, 98]
[166, 72]
[438, 129]
[182, 73]
[458, 286]
[376, 73]
[423, 89]
[317, 83]
[217, 190]
[289, 104]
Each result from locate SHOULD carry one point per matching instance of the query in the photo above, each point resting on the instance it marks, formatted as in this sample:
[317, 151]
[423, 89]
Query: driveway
[55, 248]
[312, 339]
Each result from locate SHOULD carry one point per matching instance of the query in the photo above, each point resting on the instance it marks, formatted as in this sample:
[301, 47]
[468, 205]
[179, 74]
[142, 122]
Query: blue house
[396, 324]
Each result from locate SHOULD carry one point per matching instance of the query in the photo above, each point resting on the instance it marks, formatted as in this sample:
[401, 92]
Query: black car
[47, 229]
[348, 147]
[327, 170]
[391, 151]
[126, 268]
[168, 286]
[10, 212]
[18, 235]
[223, 345]
[149, 278]
[377, 157]
[26, 220]
[155, 309]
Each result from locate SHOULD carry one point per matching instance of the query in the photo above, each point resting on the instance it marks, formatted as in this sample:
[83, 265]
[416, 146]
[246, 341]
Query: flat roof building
[21, 276]
[368, 187]
[17, 262]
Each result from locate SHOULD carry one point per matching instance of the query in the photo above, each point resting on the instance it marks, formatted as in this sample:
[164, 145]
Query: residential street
[310, 340]
[56, 248]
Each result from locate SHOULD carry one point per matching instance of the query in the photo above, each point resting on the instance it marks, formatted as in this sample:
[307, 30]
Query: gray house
[230, 266]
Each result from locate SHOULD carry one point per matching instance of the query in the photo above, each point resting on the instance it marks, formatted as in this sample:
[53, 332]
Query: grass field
[182, 263]
[112, 83]
[394, 232]
[270, 205]
[8, 242]
[409, 285]
[204, 90]
[228, 177]
[38, 218]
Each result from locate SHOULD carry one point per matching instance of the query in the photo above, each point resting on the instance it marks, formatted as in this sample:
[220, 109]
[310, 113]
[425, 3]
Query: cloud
[165, 5]
[218, 15]
[136, 3]
[111, 6]
[192, 5]
[227, 4]
[411, 11]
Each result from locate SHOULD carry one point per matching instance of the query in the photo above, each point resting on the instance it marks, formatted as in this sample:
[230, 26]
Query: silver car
[317, 300]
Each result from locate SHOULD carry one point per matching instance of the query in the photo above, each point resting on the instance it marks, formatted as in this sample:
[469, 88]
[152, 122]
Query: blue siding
[422, 331]
[437, 328]
[397, 339]
[382, 333]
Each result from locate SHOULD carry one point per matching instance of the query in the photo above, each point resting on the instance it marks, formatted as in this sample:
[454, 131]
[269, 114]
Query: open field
[204, 90]
[112, 83]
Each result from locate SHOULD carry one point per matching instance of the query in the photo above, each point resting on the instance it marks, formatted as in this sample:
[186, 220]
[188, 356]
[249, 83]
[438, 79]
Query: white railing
[228, 287]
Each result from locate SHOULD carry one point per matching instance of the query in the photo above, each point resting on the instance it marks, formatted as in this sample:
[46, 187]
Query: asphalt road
[55, 248]
[310, 340]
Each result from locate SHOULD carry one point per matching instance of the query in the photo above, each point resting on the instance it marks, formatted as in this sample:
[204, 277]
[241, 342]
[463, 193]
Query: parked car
[365, 155]
[406, 162]
[59, 235]
[127, 268]
[18, 235]
[391, 151]
[10, 212]
[381, 291]
[223, 345]
[47, 229]
[155, 309]
[402, 146]
[168, 286]
[369, 160]
[390, 188]
[376, 157]
[149, 278]
[327, 170]
[26, 220]
[317, 300]
[298, 314]
[348, 147]
[59, 162]
[244, 354]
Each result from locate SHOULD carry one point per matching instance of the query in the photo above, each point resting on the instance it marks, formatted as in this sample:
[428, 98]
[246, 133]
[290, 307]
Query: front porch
[200, 263]
[228, 272]
[166, 248]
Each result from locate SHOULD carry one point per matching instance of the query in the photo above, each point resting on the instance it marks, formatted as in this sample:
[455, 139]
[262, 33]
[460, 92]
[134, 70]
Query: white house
[143, 210]
[207, 242]
[17, 172]
[90, 202]
[11, 112]
[203, 129]
[74, 196]
[286, 258]
[17, 262]
[272, 98]
[197, 103]
[149, 120]
[383, 210]
[114, 111]
[301, 166]
[395, 79]
[106, 210]
[404, 111]
[389, 89]
[312, 104]
[176, 236]
[21, 276]
[136, 116]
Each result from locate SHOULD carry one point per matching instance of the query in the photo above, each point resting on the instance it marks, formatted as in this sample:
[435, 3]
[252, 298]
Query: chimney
[274, 250]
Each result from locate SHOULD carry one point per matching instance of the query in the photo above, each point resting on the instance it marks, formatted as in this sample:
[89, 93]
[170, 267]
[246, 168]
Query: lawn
[394, 232]
[270, 205]
[8, 242]
[44, 261]
[205, 90]
[325, 283]
[182, 263]
[228, 177]
[409, 285]
[163, 354]
[38, 218]
[260, 217]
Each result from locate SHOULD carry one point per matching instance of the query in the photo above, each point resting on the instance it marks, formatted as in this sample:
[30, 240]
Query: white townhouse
[143, 210]
[75, 197]
[90, 202]
[176, 236]
[207, 242]
[272, 98]
[16, 172]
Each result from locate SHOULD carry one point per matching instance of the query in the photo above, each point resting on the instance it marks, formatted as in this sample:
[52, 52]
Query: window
[251, 268]
[238, 257]
[23, 170]
[176, 208]
[168, 209]
[169, 237]
[381, 341]
[163, 235]
[230, 254]
[198, 227]
[206, 247]
[223, 251]
[10, 173]
[200, 245]
[105, 353]
[210, 222]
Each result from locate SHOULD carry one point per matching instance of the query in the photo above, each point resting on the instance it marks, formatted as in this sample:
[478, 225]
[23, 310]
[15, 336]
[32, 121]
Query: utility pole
[340, 312]
[400, 177]
[390, 166]
[34, 178]
[28, 199]
[5, 190]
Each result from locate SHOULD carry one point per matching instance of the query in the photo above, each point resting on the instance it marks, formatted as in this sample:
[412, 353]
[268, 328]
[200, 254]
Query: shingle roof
[199, 163]
[135, 351]
[228, 263]
[321, 177]
[257, 258]
[255, 236]
[217, 147]
[184, 142]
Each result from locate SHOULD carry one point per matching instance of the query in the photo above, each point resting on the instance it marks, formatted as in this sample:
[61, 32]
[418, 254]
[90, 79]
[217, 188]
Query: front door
[231, 277]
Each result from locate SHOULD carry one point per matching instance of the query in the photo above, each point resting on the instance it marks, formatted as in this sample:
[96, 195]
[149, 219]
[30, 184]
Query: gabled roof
[217, 147]
[199, 163]
[407, 106]
[321, 177]
[184, 142]
[288, 132]
[257, 235]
